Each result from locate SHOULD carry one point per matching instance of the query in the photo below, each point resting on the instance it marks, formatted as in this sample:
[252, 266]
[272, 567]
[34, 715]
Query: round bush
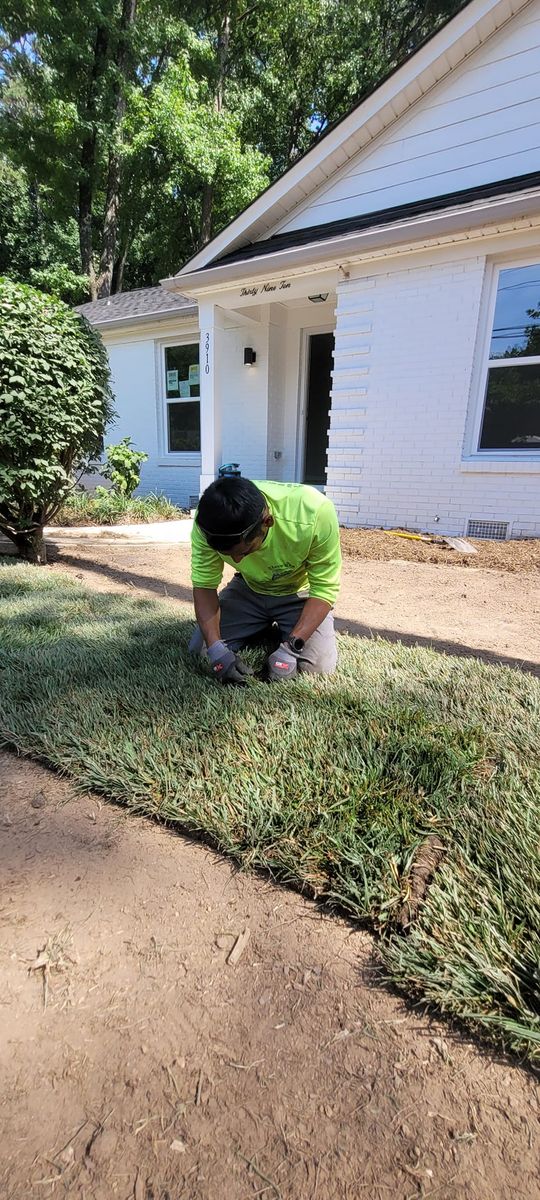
[55, 402]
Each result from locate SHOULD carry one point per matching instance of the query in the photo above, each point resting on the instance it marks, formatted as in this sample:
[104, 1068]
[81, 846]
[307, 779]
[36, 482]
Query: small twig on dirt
[199, 1089]
[239, 947]
[70, 1140]
[53, 957]
[265, 1178]
[138, 1187]
[242, 1066]
[173, 1081]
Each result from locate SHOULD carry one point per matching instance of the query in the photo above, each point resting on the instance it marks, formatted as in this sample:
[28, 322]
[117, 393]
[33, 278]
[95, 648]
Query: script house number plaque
[255, 289]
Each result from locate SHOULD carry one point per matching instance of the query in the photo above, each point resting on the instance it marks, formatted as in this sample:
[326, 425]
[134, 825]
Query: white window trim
[494, 461]
[172, 458]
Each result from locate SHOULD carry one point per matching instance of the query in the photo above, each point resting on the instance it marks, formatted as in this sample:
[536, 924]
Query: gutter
[145, 318]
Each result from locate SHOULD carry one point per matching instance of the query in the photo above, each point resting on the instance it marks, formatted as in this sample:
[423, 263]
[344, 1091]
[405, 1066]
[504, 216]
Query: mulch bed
[521, 555]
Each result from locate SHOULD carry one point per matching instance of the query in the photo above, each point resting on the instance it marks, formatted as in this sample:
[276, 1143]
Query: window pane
[184, 426]
[516, 326]
[182, 371]
[512, 412]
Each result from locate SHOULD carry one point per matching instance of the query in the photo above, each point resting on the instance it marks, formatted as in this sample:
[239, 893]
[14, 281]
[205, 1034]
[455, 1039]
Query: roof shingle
[135, 305]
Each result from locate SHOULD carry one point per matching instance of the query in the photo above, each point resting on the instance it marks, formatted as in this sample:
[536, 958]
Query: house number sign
[253, 290]
[207, 354]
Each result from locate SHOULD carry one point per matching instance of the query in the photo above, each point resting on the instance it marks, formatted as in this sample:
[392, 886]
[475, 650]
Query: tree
[313, 60]
[146, 125]
[35, 247]
[55, 402]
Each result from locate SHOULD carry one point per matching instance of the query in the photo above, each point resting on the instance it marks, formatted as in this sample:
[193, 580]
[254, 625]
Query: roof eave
[455, 221]
[152, 318]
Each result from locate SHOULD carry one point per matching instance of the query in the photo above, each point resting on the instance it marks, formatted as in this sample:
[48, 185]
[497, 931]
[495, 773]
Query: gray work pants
[246, 615]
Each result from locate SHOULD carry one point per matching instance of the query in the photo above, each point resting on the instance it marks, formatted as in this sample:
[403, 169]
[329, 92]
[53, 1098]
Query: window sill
[180, 458]
[528, 464]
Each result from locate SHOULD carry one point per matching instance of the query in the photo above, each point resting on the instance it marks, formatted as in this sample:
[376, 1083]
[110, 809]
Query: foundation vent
[496, 531]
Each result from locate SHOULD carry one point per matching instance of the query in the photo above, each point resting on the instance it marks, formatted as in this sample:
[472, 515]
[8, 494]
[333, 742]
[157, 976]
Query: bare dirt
[490, 613]
[137, 1062]
[158, 1071]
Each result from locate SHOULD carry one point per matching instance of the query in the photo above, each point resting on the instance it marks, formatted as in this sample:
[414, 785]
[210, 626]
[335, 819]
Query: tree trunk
[206, 214]
[224, 37]
[86, 195]
[112, 203]
[88, 159]
[31, 545]
[119, 267]
[110, 226]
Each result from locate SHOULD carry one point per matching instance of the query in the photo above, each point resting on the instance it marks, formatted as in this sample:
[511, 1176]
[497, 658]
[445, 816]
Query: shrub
[123, 467]
[55, 402]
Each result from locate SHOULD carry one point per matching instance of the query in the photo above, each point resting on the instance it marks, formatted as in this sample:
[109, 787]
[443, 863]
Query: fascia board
[158, 318]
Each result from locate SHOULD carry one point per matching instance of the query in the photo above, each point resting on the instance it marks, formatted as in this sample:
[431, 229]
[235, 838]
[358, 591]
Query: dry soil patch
[159, 1071]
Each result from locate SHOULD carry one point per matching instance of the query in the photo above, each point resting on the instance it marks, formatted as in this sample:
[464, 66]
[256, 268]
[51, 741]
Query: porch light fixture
[250, 356]
[319, 299]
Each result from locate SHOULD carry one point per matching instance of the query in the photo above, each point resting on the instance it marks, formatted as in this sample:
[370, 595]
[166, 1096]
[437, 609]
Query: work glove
[282, 664]
[227, 667]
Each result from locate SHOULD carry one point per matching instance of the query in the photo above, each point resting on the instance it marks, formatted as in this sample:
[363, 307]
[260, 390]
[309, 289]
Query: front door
[319, 383]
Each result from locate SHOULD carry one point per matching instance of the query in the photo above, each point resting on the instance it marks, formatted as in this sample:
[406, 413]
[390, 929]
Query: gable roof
[139, 305]
[432, 61]
[311, 234]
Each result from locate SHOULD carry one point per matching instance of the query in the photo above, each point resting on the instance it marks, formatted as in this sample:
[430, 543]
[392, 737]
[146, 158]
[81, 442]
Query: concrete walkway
[169, 533]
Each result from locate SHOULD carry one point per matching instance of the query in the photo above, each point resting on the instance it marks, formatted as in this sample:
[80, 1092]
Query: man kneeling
[282, 538]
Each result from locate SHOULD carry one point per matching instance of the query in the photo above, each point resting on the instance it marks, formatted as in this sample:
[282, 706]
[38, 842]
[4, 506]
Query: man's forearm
[312, 615]
[206, 605]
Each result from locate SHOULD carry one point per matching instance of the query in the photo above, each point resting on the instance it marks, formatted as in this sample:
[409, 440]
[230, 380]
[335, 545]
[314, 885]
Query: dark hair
[230, 511]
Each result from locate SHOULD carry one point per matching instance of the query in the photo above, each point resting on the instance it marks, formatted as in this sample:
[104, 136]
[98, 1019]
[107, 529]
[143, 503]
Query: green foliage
[332, 784]
[123, 467]
[105, 507]
[55, 402]
[35, 247]
[178, 116]
[59, 280]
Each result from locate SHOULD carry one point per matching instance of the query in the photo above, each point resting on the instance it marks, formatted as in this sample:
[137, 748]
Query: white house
[388, 289]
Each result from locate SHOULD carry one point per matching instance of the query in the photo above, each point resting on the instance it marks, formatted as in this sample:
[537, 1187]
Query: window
[511, 418]
[182, 392]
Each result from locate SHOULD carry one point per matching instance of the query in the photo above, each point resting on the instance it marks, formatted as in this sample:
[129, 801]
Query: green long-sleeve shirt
[301, 549]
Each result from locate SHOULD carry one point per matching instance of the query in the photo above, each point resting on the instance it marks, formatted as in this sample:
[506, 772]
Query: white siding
[137, 402]
[479, 125]
[405, 345]
[244, 394]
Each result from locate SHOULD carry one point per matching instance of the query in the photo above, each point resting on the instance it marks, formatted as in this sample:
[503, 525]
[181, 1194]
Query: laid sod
[344, 786]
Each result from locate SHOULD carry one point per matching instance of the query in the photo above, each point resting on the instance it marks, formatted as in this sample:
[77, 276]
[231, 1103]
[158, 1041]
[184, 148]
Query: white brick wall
[401, 391]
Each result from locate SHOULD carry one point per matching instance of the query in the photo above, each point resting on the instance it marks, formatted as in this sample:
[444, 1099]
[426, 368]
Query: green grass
[331, 784]
[84, 508]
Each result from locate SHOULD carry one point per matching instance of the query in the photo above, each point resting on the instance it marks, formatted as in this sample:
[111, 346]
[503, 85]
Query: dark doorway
[319, 383]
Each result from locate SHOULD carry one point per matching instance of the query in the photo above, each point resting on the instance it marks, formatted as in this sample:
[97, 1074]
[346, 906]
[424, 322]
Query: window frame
[473, 452]
[171, 457]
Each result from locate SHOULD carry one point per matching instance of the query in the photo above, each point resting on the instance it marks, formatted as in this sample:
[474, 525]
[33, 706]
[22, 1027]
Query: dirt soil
[489, 613]
[138, 1063]
[518, 555]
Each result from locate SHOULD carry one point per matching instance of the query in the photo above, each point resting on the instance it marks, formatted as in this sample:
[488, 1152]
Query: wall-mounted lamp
[250, 356]
[319, 299]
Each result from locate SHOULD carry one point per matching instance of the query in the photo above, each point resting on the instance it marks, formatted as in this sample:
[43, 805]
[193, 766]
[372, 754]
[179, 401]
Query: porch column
[211, 354]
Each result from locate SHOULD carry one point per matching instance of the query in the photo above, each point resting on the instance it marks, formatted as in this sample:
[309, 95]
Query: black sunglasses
[232, 537]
